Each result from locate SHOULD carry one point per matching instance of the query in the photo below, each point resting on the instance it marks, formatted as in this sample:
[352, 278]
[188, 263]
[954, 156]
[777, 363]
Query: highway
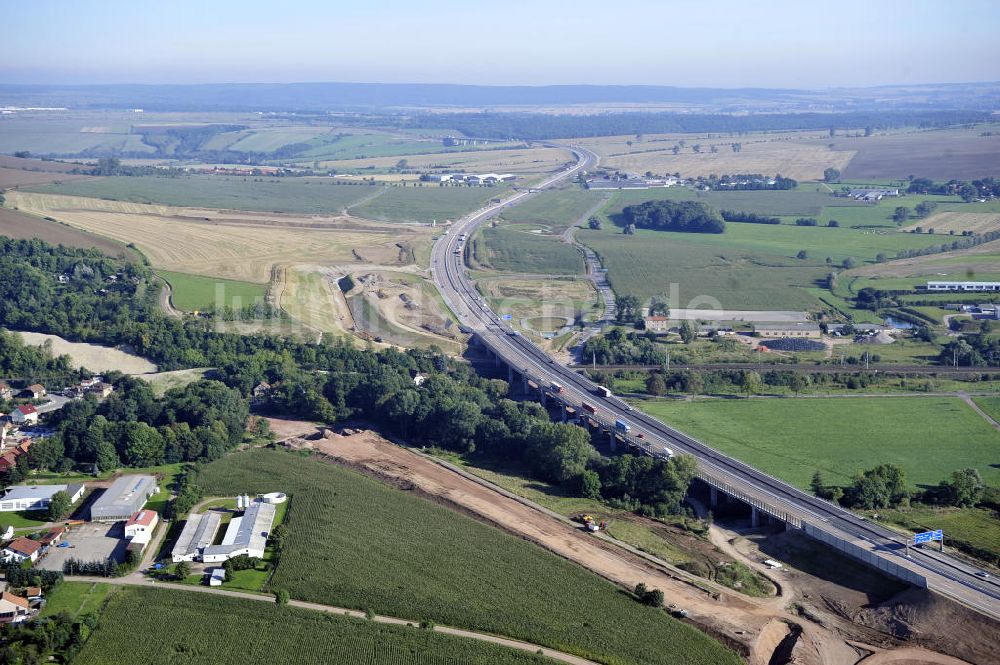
[944, 574]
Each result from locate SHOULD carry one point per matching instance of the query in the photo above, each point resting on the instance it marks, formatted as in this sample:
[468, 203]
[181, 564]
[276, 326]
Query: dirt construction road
[758, 626]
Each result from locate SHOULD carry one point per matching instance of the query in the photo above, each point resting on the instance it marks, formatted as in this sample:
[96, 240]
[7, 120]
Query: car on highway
[982, 574]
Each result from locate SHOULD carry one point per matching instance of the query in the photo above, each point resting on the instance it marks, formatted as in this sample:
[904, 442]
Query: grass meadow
[357, 543]
[554, 210]
[515, 248]
[929, 437]
[203, 629]
[193, 292]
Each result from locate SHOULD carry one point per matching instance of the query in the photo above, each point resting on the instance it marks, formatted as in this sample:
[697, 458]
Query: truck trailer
[622, 426]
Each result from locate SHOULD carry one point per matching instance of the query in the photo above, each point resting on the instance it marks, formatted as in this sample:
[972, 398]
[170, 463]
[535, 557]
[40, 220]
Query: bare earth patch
[94, 357]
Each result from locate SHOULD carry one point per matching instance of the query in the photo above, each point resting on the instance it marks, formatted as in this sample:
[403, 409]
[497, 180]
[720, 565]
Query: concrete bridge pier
[713, 494]
[754, 518]
[614, 441]
[545, 398]
[510, 374]
[564, 411]
[524, 384]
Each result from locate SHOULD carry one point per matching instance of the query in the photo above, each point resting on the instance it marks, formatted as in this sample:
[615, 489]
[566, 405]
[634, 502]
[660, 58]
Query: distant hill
[319, 97]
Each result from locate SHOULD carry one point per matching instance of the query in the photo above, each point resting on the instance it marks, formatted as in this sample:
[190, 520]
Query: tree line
[453, 407]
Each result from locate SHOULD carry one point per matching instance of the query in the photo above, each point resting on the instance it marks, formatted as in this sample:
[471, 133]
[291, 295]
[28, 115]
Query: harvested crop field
[94, 357]
[519, 161]
[945, 222]
[792, 154]
[227, 244]
[938, 154]
[20, 177]
[15, 224]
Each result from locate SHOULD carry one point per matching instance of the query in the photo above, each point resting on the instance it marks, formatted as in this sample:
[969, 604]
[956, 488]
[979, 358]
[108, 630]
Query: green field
[203, 629]
[929, 437]
[649, 263]
[750, 266]
[76, 598]
[975, 530]
[425, 204]
[990, 405]
[555, 209]
[514, 248]
[192, 292]
[355, 542]
[289, 195]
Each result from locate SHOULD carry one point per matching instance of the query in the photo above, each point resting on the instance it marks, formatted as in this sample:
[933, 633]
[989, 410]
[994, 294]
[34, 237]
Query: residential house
[14, 609]
[261, 393]
[659, 324]
[24, 414]
[5, 391]
[102, 389]
[21, 549]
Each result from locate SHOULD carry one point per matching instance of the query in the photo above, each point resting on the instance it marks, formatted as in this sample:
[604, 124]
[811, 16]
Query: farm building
[963, 286]
[139, 528]
[126, 496]
[24, 414]
[21, 549]
[37, 497]
[34, 391]
[197, 534]
[14, 609]
[872, 194]
[246, 534]
[778, 330]
[657, 323]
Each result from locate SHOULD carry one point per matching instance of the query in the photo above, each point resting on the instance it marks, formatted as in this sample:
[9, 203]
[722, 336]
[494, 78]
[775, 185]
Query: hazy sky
[700, 43]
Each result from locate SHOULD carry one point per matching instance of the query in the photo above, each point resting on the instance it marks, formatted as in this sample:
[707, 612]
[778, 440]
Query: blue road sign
[508, 317]
[927, 536]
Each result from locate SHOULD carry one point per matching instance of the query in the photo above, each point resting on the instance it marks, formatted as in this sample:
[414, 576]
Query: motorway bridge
[823, 520]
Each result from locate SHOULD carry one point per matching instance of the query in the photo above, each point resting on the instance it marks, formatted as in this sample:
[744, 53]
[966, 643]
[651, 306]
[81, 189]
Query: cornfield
[355, 542]
[163, 627]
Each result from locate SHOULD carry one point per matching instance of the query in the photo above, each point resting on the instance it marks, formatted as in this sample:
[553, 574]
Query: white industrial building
[197, 534]
[246, 534]
[126, 496]
[37, 497]
[963, 286]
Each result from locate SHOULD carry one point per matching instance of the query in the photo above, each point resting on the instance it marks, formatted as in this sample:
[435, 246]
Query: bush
[806, 221]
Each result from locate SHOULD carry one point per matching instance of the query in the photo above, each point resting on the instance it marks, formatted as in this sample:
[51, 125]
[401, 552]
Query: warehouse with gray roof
[126, 496]
[197, 534]
[246, 534]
